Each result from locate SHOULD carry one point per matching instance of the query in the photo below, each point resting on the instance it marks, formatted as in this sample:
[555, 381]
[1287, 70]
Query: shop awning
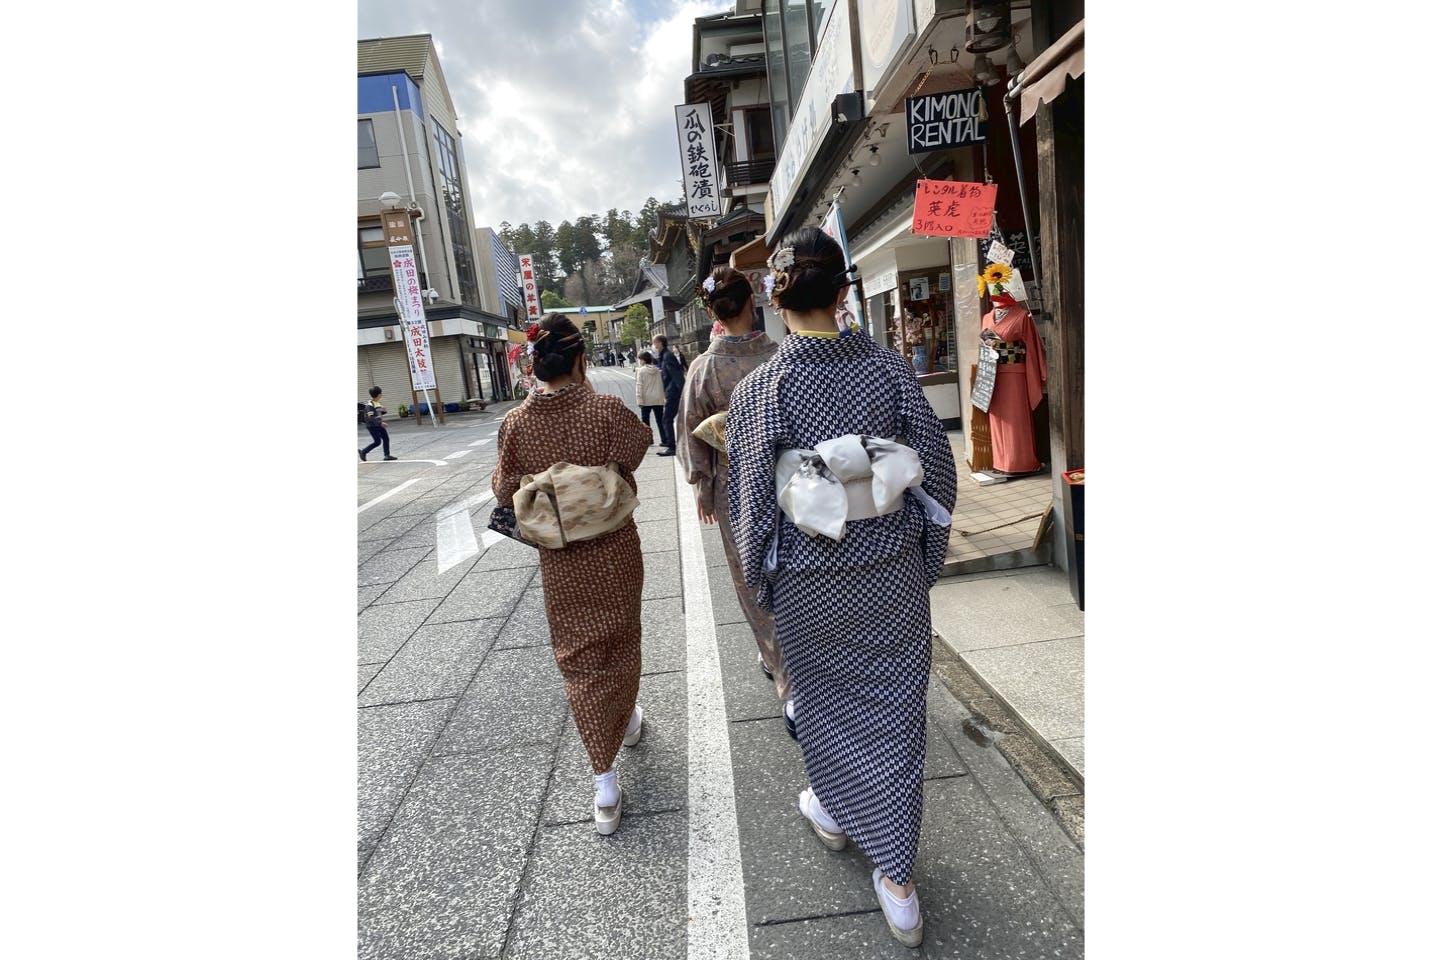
[1045, 78]
[751, 256]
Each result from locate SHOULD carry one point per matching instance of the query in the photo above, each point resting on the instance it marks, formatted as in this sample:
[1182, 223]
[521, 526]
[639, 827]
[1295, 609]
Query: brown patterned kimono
[592, 588]
[712, 379]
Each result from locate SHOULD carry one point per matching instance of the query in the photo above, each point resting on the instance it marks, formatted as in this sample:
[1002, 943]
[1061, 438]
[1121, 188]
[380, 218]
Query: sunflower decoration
[995, 277]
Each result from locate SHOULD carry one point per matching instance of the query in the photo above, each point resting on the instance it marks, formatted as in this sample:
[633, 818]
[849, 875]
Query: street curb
[1053, 782]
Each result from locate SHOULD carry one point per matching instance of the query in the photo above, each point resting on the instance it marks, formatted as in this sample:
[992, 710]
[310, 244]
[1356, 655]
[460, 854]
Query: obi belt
[1011, 351]
[854, 477]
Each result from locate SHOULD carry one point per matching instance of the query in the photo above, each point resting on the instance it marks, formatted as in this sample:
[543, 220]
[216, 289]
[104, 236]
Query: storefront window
[797, 45]
[775, 69]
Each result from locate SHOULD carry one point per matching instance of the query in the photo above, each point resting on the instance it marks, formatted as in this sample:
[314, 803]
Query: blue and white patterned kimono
[852, 616]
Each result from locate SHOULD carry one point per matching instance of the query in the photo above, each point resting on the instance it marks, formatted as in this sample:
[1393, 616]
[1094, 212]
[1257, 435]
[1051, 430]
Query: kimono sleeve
[506, 479]
[697, 456]
[925, 434]
[1036, 371]
[752, 436]
[629, 438]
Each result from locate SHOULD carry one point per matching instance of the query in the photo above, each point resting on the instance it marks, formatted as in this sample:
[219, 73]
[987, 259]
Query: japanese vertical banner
[528, 290]
[409, 298]
[847, 315]
[697, 159]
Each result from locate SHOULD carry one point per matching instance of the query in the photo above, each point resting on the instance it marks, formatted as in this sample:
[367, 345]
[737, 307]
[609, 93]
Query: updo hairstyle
[727, 300]
[557, 345]
[815, 278]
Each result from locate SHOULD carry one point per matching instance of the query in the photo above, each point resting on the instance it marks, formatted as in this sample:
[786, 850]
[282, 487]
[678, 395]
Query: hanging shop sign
[943, 121]
[953, 208]
[697, 159]
[529, 292]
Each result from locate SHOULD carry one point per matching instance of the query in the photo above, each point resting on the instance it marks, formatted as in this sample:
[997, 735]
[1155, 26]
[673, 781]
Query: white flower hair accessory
[709, 284]
[769, 283]
[782, 259]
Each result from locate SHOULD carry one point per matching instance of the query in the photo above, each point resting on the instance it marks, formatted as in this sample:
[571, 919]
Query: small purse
[503, 522]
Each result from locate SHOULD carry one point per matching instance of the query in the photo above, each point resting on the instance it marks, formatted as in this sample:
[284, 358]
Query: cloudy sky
[566, 106]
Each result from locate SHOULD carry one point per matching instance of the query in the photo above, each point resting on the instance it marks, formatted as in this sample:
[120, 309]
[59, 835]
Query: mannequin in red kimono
[1019, 382]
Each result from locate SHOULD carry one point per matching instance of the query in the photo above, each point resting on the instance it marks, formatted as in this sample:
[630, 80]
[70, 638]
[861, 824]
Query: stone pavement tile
[365, 549]
[424, 582]
[505, 554]
[1072, 749]
[723, 600]
[442, 881]
[1033, 825]
[365, 672]
[653, 773]
[419, 537]
[662, 636]
[995, 612]
[516, 698]
[389, 528]
[393, 741]
[620, 897]
[527, 626]
[437, 661]
[658, 536]
[483, 594]
[748, 695]
[656, 508]
[980, 894]
[857, 935]
[662, 576]
[384, 627]
[388, 566]
[368, 595]
[1042, 682]
[1050, 585]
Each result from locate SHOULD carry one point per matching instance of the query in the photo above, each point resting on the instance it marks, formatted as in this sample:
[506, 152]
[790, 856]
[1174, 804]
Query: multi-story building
[410, 145]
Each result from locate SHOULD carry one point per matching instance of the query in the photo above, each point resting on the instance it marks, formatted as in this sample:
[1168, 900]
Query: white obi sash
[854, 477]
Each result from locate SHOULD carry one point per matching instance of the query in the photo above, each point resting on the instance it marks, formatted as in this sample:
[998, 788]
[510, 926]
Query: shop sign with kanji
[410, 304]
[697, 159]
[528, 288]
[953, 208]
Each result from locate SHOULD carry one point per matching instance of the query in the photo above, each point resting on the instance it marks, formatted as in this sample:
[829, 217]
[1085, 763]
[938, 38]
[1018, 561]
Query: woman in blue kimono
[841, 480]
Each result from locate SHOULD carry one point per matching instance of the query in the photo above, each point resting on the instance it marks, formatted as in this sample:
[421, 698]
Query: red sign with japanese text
[952, 208]
[528, 289]
[410, 305]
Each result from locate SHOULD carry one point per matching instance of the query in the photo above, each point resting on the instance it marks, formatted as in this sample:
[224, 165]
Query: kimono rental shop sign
[953, 208]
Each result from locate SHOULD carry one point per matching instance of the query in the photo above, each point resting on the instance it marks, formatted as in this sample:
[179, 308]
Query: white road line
[457, 454]
[438, 463]
[454, 540]
[477, 443]
[387, 494]
[715, 887]
[469, 503]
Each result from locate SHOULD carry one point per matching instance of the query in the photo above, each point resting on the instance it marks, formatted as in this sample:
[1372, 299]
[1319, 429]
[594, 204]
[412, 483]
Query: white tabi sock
[634, 723]
[607, 790]
[905, 913]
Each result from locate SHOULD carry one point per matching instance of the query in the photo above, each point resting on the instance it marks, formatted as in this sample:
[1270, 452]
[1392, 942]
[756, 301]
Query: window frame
[374, 144]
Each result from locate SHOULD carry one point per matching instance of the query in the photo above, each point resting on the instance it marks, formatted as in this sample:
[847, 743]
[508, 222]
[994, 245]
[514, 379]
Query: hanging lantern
[987, 26]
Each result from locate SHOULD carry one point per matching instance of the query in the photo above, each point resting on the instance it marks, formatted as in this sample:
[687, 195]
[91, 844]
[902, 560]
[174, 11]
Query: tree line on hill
[592, 260]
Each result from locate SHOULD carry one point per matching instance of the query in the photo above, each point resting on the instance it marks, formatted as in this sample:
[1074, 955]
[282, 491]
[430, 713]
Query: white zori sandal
[825, 828]
[635, 728]
[900, 911]
[607, 818]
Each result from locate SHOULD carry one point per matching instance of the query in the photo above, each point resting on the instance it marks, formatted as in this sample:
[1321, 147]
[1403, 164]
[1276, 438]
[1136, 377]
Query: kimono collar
[562, 401]
[748, 347]
[826, 349]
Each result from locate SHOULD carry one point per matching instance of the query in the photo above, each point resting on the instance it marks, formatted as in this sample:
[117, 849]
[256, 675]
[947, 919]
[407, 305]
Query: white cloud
[565, 106]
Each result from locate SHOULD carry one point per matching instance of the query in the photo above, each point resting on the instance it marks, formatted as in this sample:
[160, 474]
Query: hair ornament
[709, 284]
[781, 260]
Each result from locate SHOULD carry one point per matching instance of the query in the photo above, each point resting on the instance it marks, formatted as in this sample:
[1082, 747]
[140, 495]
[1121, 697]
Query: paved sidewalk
[1021, 634]
[475, 836]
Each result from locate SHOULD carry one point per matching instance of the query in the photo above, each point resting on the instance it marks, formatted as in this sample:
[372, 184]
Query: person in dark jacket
[672, 376]
[375, 423]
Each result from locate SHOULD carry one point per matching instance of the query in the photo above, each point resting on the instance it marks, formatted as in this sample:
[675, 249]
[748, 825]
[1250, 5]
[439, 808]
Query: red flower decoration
[533, 332]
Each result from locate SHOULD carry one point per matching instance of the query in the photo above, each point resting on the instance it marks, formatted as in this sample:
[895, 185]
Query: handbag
[503, 522]
[711, 430]
[570, 503]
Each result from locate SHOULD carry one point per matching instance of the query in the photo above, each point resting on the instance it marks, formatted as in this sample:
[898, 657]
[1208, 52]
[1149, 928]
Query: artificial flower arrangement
[992, 279]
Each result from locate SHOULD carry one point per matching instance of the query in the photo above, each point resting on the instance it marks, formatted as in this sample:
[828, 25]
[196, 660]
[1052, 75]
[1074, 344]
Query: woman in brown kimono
[592, 587]
[713, 377]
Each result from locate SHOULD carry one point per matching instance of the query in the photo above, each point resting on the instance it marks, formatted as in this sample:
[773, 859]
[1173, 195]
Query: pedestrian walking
[712, 379]
[650, 392]
[375, 423]
[672, 375]
[841, 480]
[592, 587]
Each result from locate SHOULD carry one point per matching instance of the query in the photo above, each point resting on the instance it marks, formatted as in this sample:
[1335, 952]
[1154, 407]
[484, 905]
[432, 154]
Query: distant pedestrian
[375, 423]
[842, 481]
[672, 375]
[650, 393]
[592, 586]
[712, 378]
